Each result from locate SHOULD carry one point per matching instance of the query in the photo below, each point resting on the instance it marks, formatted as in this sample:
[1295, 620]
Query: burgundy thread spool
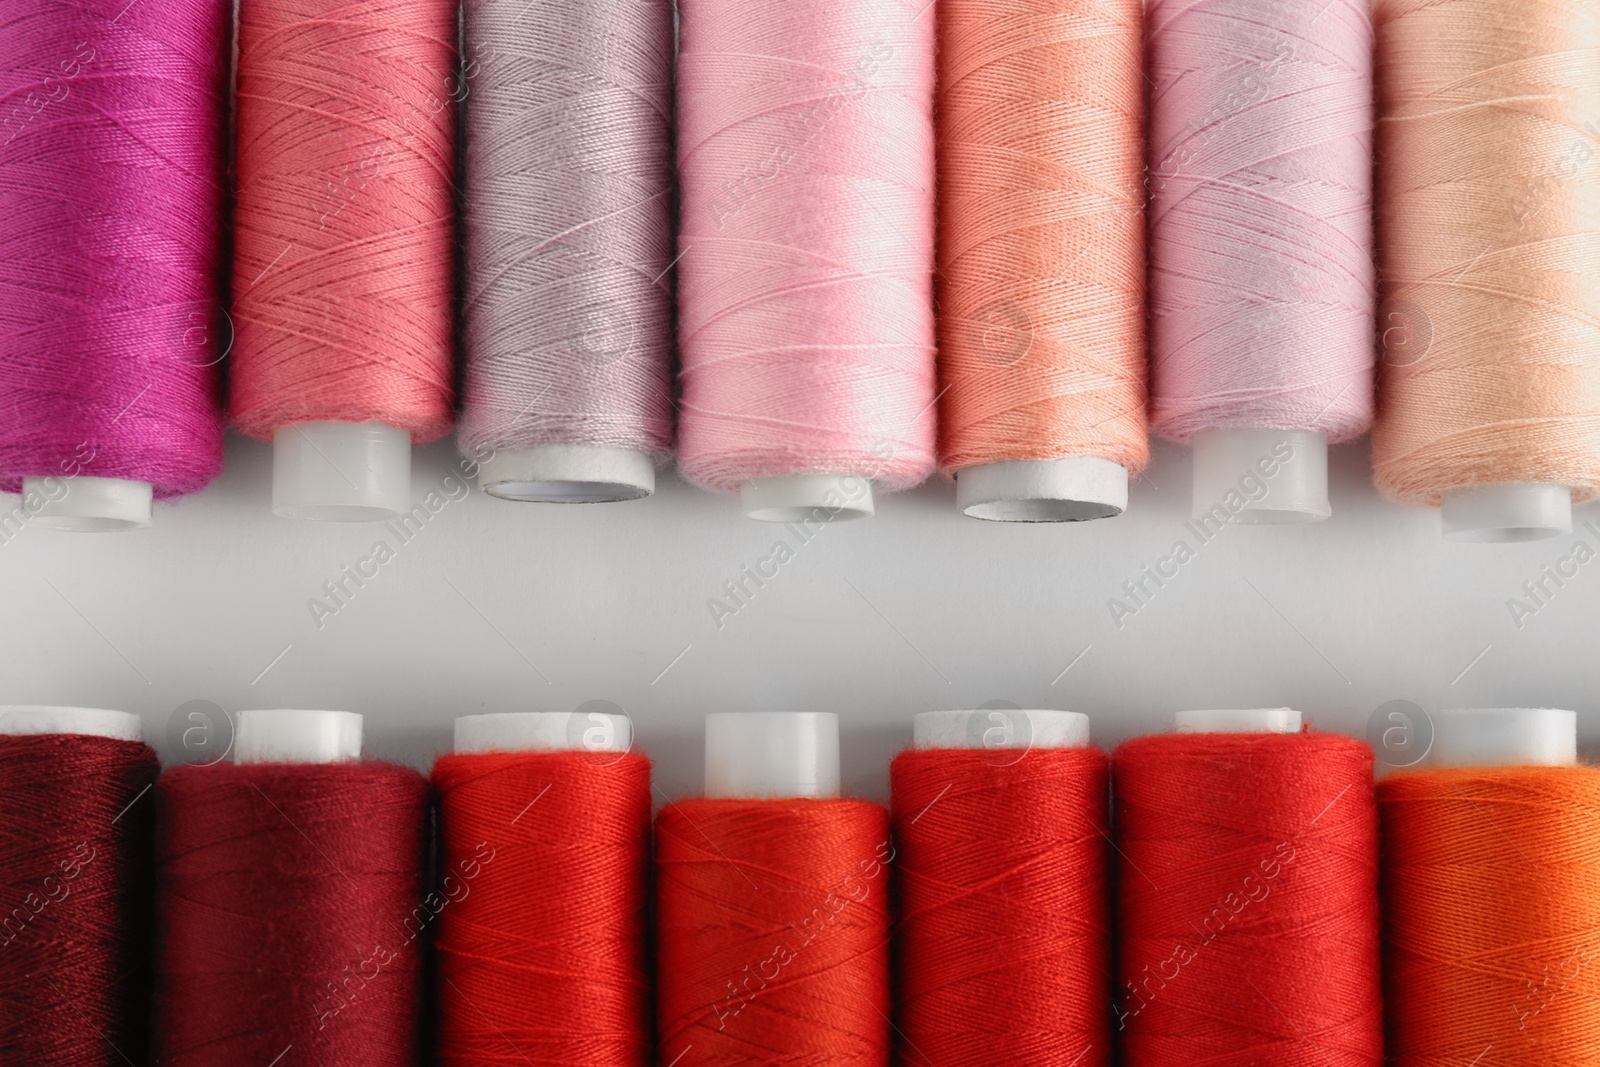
[292, 901]
[75, 871]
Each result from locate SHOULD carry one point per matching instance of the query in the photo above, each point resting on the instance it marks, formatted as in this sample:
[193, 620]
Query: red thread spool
[1249, 930]
[542, 955]
[292, 904]
[1003, 887]
[75, 875]
[773, 928]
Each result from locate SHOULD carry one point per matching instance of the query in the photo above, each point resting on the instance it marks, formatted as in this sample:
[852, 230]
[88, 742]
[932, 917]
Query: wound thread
[805, 157]
[568, 221]
[343, 222]
[1003, 889]
[1261, 270]
[1248, 904]
[76, 873]
[772, 933]
[544, 954]
[1041, 232]
[1491, 897]
[111, 230]
[293, 913]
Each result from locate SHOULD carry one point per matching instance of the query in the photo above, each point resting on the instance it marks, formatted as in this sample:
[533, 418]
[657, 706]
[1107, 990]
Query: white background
[497, 606]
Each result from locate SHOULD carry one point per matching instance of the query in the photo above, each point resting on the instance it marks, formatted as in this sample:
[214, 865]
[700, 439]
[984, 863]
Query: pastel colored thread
[568, 217]
[1041, 232]
[806, 165]
[1261, 272]
[1490, 216]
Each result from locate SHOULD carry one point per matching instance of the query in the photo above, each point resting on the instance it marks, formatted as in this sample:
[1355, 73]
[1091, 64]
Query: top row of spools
[808, 365]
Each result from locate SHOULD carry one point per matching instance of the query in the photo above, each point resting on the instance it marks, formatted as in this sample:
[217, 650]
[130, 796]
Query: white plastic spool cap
[1505, 737]
[770, 754]
[543, 731]
[20, 720]
[801, 497]
[1291, 464]
[1239, 721]
[1501, 514]
[341, 471]
[989, 728]
[292, 735]
[568, 474]
[1071, 489]
[89, 505]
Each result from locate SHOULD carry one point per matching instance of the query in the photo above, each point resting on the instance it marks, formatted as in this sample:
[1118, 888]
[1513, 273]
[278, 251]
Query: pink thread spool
[805, 154]
[1262, 280]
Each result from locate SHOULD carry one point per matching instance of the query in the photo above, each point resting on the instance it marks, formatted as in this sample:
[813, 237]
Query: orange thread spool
[1491, 896]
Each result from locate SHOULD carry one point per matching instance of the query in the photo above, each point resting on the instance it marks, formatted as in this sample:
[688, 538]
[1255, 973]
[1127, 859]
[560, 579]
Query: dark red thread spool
[293, 913]
[1248, 921]
[1002, 875]
[542, 953]
[75, 874]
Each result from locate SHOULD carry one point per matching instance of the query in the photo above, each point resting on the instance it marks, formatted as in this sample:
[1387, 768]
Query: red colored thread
[542, 952]
[1249, 930]
[75, 873]
[1004, 936]
[773, 933]
[291, 899]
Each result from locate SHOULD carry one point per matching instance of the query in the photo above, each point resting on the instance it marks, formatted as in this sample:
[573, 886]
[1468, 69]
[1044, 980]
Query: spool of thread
[111, 229]
[1490, 215]
[1003, 888]
[544, 834]
[1248, 895]
[772, 908]
[805, 157]
[291, 900]
[1261, 279]
[76, 876]
[1491, 894]
[343, 247]
[1042, 266]
[568, 388]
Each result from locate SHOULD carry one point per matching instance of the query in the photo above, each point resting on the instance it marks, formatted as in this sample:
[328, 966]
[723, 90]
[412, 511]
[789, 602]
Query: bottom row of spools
[1236, 892]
